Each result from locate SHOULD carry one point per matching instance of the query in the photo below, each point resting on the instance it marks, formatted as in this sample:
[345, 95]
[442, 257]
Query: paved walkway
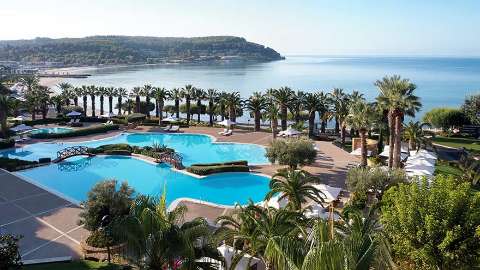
[46, 222]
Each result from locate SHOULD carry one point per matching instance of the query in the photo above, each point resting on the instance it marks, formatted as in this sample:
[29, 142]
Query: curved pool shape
[194, 148]
[50, 130]
[75, 177]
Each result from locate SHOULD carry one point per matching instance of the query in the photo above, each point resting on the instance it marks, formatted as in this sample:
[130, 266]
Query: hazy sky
[354, 27]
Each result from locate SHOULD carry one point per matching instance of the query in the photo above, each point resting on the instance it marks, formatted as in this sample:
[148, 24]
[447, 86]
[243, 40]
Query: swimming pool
[74, 177]
[50, 130]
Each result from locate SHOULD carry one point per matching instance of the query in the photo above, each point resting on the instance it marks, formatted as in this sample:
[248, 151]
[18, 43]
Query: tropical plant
[396, 95]
[271, 113]
[5, 101]
[146, 92]
[160, 94]
[176, 96]
[471, 108]
[136, 92]
[187, 92]
[57, 100]
[255, 104]
[160, 239]
[291, 152]
[120, 93]
[92, 92]
[360, 180]
[446, 118]
[77, 92]
[212, 97]
[233, 103]
[360, 118]
[341, 103]
[84, 93]
[296, 186]
[9, 252]
[433, 224]
[297, 105]
[221, 104]
[335, 98]
[66, 91]
[101, 91]
[199, 95]
[413, 133]
[311, 103]
[283, 97]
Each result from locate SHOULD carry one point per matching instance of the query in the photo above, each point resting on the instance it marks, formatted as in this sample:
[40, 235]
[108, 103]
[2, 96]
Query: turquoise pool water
[50, 130]
[74, 177]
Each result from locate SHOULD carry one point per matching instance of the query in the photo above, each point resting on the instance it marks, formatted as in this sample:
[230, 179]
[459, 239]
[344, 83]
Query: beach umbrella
[358, 152]
[226, 123]
[330, 193]
[21, 128]
[170, 119]
[73, 114]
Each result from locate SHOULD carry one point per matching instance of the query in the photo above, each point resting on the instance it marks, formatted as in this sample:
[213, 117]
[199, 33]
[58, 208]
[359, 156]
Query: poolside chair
[223, 132]
[167, 128]
[228, 133]
[174, 128]
[71, 121]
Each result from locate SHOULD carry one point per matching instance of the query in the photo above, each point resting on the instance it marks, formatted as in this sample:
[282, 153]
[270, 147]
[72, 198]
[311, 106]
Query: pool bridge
[172, 158]
[71, 152]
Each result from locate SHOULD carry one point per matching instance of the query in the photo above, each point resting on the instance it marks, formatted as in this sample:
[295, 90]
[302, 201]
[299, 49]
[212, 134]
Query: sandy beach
[53, 81]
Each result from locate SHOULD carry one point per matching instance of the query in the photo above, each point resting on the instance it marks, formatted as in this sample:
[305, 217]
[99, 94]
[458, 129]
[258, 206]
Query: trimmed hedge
[44, 121]
[78, 132]
[206, 170]
[237, 162]
[118, 152]
[13, 164]
[7, 143]
[111, 147]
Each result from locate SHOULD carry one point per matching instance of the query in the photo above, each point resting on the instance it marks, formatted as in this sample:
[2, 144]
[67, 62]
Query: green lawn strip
[443, 167]
[469, 144]
[75, 265]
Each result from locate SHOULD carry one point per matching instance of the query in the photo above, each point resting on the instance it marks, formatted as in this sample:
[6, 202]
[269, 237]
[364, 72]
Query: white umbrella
[330, 193]
[107, 115]
[21, 127]
[358, 152]
[420, 168]
[73, 113]
[291, 132]
[226, 123]
[170, 119]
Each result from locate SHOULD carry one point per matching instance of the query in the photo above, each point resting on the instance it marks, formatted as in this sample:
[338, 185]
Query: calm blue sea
[440, 81]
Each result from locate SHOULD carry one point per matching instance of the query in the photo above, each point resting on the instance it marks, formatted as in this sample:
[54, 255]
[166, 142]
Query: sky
[321, 27]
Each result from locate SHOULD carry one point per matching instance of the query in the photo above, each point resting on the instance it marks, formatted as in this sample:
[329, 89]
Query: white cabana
[226, 123]
[21, 128]
[74, 114]
[420, 169]
[170, 119]
[422, 153]
[420, 161]
[331, 193]
[246, 262]
[358, 152]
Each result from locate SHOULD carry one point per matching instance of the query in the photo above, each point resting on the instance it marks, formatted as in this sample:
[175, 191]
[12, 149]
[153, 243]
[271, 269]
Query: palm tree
[77, 92]
[101, 91]
[187, 93]
[4, 109]
[222, 97]
[361, 118]
[255, 104]
[110, 92]
[396, 95]
[176, 96]
[335, 97]
[43, 99]
[296, 186]
[312, 103]
[66, 89]
[159, 239]
[342, 107]
[58, 102]
[92, 91]
[199, 95]
[413, 133]
[160, 94]
[146, 92]
[283, 97]
[120, 93]
[84, 93]
[212, 97]
[253, 229]
[271, 113]
[233, 102]
[296, 106]
[31, 84]
[129, 104]
[136, 92]
[323, 109]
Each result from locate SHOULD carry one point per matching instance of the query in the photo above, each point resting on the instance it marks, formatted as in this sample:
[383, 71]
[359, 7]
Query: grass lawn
[443, 167]
[75, 265]
[469, 143]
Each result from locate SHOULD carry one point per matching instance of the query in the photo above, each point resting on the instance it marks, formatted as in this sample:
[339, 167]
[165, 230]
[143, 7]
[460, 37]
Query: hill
[112, 50]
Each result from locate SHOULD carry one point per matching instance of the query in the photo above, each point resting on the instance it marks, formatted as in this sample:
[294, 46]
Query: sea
[441, 81]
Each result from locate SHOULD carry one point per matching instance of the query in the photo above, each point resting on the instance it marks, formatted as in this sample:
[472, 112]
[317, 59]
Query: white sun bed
[174, 128]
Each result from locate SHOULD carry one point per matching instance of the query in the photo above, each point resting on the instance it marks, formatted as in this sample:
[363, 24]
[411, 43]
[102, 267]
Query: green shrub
[13, 164]
[7, 143]
[118, 152]
[205, 170]
[9, 252]
[135, 117]
[238, 162]
[291, 152]
[78, 132]
[111, 147]
[99, 239]
[105, 199]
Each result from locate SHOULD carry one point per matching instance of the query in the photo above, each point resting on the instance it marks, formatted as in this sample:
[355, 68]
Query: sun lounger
[167, 128]
[228, 133]
[223, 132]
[174, 128]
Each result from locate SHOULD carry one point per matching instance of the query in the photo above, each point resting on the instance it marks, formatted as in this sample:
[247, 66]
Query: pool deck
[48, 223]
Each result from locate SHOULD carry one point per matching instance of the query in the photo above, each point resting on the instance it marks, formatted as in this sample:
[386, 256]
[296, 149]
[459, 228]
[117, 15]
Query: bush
[99, 239]
[7, 143]
[111, 147]
[78, 132]
[118, 152]
[135, 117]
[105, 199]
[446, 118]
[206, 170]
[435, 225]
[14, 164]
[9, 253]
[291, 152]
[44, 160]
[238, 162]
